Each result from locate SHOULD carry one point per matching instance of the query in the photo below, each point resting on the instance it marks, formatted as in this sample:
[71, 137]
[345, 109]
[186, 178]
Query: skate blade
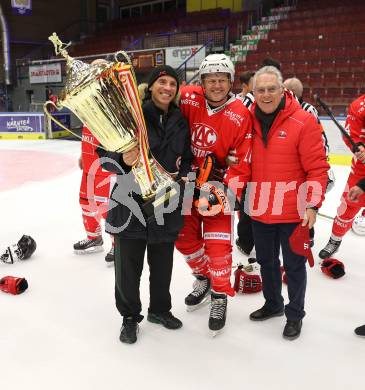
[215, 333]
[89, 250]
[203, 303]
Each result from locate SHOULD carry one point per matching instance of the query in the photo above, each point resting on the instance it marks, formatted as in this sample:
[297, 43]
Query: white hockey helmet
[331, 180]
[358, 225]
[216, 63]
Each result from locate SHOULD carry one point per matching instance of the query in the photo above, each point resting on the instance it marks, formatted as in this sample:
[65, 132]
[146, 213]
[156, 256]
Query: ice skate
[331, 248]
[218, 311]
[89, 246]
[200, 295]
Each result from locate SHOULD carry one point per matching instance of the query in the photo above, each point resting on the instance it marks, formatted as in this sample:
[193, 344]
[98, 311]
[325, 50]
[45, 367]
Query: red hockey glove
[333, 268]
[13, 285]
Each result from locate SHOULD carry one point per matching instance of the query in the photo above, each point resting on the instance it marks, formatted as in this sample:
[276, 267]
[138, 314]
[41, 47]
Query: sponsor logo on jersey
[217, 236]
[234, 117]
[88, 138]
[189, 99]
[219, 272]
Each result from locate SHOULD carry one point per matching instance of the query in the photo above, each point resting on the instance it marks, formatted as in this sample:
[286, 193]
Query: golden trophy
[105, 98]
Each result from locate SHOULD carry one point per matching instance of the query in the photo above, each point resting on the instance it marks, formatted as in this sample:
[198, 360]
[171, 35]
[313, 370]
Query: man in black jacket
[169, 141]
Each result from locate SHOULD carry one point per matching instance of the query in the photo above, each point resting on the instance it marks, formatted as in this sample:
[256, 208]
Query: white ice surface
[62, 333]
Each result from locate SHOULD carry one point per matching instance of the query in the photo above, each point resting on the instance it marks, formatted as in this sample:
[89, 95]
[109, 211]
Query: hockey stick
[355, 147]
[326, 216]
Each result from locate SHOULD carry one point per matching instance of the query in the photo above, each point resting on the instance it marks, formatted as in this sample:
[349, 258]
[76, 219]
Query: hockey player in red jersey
[355, 125]
[94, 196]
[219, 123]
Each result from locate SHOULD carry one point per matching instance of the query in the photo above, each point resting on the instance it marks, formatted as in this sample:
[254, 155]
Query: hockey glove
[333, 268]
[211, 200]
[209, 170]
[13, 285]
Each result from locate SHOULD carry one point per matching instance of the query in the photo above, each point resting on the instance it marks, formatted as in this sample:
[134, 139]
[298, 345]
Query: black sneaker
[165, 319]
[264, 314]
[360, 331]
[292, 329]
[109, 258]
[128, 333]
[331, 248]
[89, 246]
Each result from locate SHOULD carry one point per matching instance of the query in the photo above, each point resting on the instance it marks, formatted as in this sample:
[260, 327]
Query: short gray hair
[268, 70]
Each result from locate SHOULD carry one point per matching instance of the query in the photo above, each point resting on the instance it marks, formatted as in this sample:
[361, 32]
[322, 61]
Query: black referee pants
[268, 240]
[129, 258]
[244, 227]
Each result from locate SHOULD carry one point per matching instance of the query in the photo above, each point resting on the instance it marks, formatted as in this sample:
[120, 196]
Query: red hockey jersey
[355, 126]
[88, 154]
[219, 131]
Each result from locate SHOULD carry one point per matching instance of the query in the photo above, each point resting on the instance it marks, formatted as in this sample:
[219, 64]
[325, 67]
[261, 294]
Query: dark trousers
[268, 240]
[129, 258]
[244, 227]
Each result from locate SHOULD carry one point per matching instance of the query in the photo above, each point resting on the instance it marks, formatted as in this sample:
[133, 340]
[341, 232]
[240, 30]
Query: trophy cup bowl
[105, 98]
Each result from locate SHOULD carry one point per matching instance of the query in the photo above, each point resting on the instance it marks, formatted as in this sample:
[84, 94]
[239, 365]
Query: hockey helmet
[248, 278]
[216, 63]
[22, 250]
[26, 247]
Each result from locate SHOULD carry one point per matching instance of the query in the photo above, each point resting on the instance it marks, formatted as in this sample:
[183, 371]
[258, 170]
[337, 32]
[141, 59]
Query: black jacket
[169, 140]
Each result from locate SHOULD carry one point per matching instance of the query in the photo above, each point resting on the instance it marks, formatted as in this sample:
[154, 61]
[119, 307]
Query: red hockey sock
[198, 262]
[220, 274]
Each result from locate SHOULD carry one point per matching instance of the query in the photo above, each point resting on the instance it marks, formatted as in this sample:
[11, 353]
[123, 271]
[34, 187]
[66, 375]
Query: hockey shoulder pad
[13, 285]
[333, 268]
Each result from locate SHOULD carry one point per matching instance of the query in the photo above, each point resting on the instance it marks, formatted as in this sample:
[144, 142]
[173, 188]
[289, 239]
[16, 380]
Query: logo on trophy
[105, 98]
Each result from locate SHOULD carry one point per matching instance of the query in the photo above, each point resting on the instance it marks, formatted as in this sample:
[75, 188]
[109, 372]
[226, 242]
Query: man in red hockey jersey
[94, 196]
[219, 123]
[346, 213]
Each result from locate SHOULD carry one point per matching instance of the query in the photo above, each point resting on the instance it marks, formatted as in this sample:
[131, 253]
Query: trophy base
[164, 201]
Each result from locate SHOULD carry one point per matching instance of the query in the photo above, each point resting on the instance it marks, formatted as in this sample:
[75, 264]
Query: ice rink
[63, 332]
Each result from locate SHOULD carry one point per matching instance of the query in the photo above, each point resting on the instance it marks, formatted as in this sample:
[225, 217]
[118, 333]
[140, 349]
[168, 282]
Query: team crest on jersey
[282, 134]
[203, 136]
